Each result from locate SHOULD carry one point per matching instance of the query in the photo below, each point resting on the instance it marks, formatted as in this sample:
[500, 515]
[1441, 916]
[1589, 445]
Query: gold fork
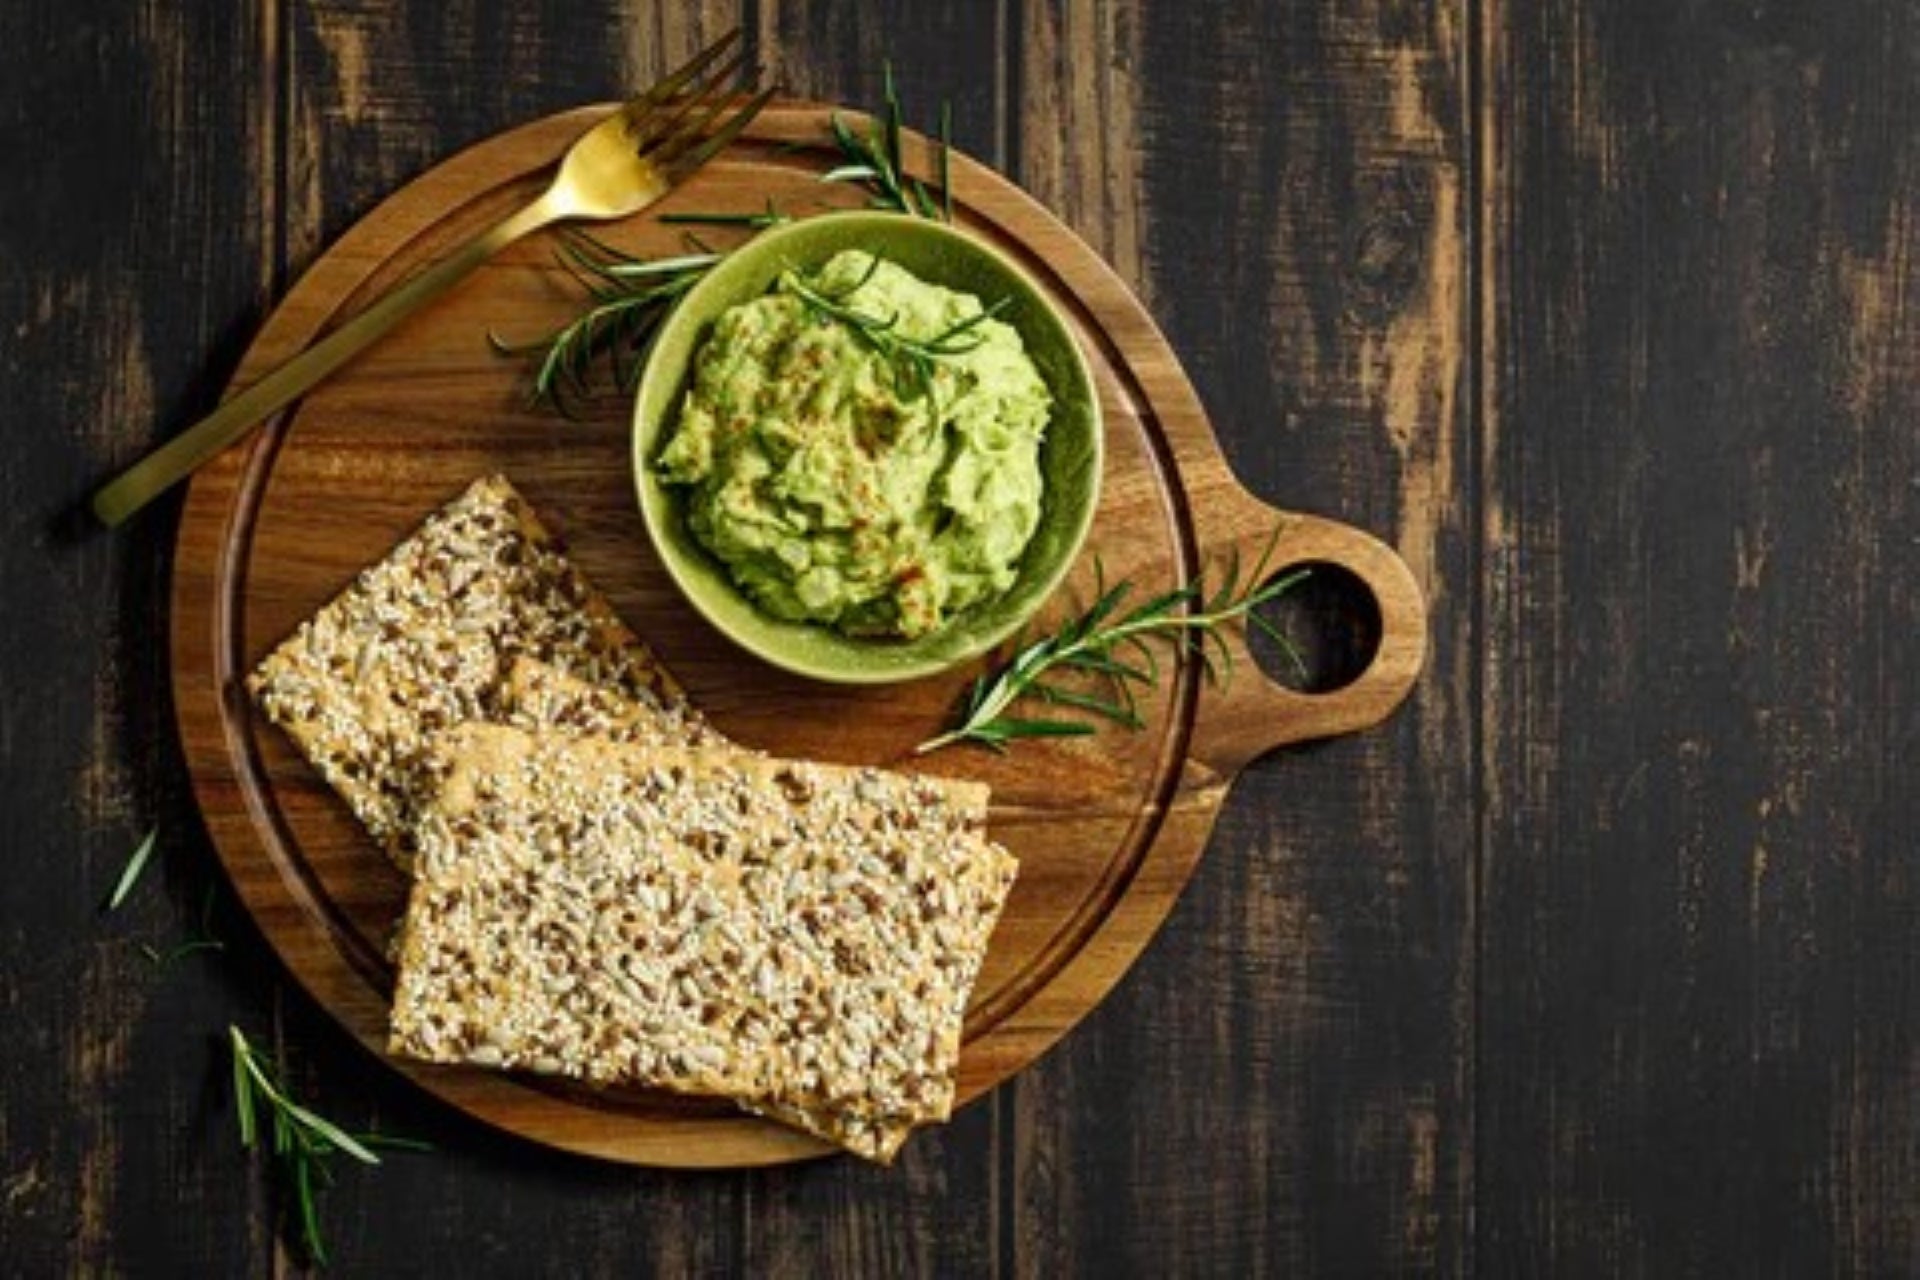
[617, 168]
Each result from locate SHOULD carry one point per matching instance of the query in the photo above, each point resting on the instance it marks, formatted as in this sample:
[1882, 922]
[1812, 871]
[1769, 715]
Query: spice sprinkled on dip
[861, 448]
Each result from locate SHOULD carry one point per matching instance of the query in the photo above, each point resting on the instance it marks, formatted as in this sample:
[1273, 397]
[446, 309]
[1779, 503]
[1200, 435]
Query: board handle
[1251, 713]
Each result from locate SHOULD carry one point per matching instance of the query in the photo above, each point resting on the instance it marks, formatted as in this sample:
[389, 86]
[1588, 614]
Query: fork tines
[677, 123]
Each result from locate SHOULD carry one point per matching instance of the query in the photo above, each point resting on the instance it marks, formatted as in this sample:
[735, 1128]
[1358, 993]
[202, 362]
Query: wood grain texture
[1599, 960]
[129, 282]
[1286, 183]
[1699, 1008]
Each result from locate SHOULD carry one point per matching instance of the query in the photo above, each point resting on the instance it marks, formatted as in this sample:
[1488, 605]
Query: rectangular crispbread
[800, 938]
[420, 642]
[537, 696]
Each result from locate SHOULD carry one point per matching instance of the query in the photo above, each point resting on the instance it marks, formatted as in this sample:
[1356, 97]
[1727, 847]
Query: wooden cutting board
[1107, 828]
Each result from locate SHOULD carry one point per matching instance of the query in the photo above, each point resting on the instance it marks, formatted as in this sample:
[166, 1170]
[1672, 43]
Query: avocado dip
[846, 481]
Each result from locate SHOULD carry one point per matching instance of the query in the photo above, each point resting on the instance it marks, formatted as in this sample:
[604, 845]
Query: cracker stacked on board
[604, 886]
[420, 642]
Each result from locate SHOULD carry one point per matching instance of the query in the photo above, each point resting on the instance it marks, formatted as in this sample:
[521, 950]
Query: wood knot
[1386, 253]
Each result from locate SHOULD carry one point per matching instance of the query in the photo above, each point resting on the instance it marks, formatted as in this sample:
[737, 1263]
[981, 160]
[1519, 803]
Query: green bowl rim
[771, 653]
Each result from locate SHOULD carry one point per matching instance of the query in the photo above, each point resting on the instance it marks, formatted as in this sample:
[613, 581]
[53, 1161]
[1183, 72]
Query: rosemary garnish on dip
[1113, 647]
[908, 356]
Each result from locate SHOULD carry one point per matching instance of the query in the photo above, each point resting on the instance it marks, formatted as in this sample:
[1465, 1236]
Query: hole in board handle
[1332, 623]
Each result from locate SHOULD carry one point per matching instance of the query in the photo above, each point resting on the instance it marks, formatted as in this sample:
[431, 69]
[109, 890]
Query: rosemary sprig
[130, 874]
[303, 1140]
[946, 162]
[874, 161]
[912, 359]
[629, 298]
[1113, 646]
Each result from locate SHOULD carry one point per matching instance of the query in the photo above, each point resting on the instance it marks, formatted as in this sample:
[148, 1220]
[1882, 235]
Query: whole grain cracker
[419, 642]
[800, 938]
[537, 696]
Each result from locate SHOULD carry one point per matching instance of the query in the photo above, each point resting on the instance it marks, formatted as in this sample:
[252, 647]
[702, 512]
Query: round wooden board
[1107, 828]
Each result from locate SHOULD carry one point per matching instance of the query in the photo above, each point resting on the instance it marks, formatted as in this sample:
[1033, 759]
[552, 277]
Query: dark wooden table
[1602, 957]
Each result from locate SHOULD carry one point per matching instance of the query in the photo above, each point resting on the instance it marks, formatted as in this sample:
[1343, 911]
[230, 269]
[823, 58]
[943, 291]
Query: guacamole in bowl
[861, 448]
[867, 447]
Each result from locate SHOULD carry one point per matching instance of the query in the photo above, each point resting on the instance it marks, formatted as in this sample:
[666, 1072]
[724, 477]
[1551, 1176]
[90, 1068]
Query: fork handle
[182, 455]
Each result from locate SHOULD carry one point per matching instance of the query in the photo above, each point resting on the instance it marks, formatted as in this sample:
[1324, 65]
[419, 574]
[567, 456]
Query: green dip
[835, 484]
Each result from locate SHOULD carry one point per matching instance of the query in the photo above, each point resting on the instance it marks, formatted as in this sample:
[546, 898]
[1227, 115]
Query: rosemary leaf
[851, 173]
[309, 1204]
[997, 734]
[923, 200]
[770, 217]
[848, 142]
[1187, 619]
[1045, 728]
[1283, 642]
[322, 1127]
[203, 940]
[892, 117]
[1107, 665]
[130, 874]
[946, 162]
[242, 1089]
[388, 1142]
[1108, 709]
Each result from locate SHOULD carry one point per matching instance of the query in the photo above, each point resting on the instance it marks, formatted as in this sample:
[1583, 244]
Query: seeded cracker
[537, 696]
[800, 938]
[419, 643]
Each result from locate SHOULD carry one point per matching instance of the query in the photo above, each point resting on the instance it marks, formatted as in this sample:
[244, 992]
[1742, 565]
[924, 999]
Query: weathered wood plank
[1284, 1083]
[1694, 627]
[1703, 494]
[947, 51]
[379, 91]
[135, 233]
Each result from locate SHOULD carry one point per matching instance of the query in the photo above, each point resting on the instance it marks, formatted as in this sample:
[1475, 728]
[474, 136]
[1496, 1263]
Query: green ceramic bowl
[1070, 458]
